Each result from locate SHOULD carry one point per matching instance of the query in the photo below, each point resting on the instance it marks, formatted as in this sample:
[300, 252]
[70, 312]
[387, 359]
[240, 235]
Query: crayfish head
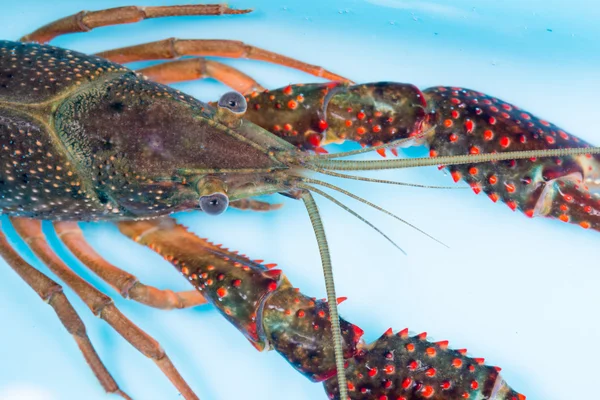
[145, 149]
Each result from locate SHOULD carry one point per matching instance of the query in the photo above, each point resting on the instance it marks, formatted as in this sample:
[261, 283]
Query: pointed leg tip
[236, 11]
[124, 395]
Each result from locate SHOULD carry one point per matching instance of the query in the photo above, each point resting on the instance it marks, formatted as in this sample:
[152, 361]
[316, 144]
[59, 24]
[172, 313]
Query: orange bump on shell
[469, 126]
[504, 141]
[456, 176]
[585, 224]
[427, 391]
[323, 125]
[529, 213]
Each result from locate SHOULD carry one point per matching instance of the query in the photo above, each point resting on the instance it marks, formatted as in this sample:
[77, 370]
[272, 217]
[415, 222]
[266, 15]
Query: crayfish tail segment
[311, 116]
[397, 366]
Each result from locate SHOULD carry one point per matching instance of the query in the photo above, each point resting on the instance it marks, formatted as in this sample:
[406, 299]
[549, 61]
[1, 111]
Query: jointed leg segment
[255, 205]
[87, 20]
[100, 304]
[52, 293]
[200, 68]
[175, 48]
[127, 285]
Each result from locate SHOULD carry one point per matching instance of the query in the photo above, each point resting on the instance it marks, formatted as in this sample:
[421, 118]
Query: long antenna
[315, 219]
[346, 165]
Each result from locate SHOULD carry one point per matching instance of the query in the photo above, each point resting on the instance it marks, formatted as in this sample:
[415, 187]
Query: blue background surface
[521, 293]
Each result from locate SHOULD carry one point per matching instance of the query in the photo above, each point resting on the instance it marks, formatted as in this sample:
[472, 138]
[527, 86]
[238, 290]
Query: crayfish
[86, 139]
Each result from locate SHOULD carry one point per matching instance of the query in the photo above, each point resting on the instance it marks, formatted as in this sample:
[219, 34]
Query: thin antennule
[346, 165]
[351, 211]
[364, 201]
[315, 219]
[374, 180]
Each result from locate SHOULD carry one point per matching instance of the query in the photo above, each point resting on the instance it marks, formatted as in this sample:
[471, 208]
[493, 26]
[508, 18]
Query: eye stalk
[214, 204]
[234, 102]
[231, 107]
[213, 195]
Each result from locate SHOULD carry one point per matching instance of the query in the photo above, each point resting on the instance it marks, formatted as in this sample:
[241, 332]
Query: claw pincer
[311, 116]
[272, 314]
[451, 121]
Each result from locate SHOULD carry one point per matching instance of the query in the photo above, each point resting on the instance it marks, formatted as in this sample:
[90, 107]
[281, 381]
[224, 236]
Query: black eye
[234, 102]
[214, 204]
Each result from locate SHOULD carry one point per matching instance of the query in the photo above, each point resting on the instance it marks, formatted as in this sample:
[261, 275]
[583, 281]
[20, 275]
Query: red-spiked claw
[470, 122]
[397, 366]
[311, 116]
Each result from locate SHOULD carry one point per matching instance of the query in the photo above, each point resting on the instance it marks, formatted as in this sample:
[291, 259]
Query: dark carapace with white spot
[86, 139]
